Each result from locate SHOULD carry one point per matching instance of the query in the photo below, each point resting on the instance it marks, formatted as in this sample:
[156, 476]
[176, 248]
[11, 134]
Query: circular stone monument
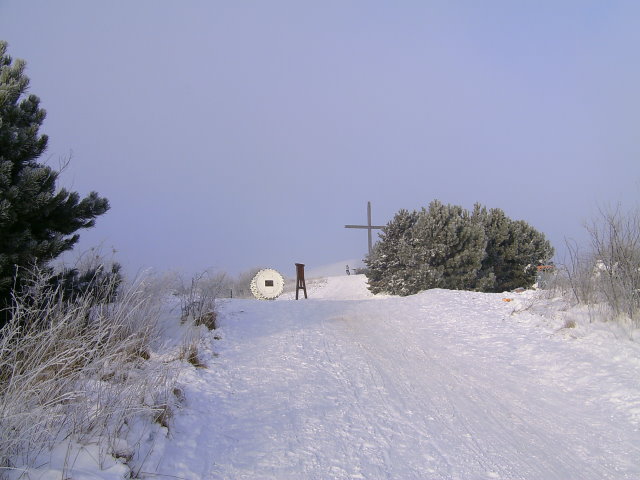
[267, 284]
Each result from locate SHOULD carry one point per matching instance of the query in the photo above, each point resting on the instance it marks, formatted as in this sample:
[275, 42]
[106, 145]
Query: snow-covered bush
[446, 246]
[198, 297]
[513, 250]
[241, 285]
[206, 286]
[75, 370]
[389, 264]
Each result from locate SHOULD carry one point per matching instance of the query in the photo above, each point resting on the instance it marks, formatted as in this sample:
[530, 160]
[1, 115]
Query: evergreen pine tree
[37, 223]
[387, 265]
[496, 228]
[513, 251]
[449, 248]
[528, 248]
[446, 246]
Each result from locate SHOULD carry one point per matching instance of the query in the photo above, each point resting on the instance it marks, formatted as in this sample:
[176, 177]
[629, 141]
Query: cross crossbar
[373, 227]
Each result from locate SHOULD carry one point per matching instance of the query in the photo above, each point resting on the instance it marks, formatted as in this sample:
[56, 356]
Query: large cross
[368, 226]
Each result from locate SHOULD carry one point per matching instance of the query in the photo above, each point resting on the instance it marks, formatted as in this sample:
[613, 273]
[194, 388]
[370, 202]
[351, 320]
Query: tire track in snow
[384, 431]
[494, 411]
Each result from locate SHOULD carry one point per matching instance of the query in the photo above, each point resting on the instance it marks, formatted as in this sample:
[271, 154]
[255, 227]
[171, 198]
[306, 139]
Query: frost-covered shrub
[75, 368]
[607, 272]
[198, 297]
[241, 285]
[391, 259]
[513, 251]
[446, 246]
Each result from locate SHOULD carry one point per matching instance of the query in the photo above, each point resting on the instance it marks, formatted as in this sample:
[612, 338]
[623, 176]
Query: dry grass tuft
[190, 354]
[76, 368]
[208, 319]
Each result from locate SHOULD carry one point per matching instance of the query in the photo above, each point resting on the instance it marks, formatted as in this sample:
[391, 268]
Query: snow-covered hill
[440, 385]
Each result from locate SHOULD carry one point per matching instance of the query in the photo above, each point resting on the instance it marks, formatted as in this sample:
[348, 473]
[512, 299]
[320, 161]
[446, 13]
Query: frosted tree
[527, 249]
[438, 247]
[388, 264]
[496, 228]
[446, 246]
[514, 249]
[37, 222]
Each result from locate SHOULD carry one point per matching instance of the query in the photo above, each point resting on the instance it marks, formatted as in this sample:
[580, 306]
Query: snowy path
[441, 385]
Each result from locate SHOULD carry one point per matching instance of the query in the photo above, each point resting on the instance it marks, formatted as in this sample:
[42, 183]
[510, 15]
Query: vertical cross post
[369, 225]
[300, 284]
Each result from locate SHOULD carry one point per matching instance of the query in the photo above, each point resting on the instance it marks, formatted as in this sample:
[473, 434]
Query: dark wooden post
[300, 285]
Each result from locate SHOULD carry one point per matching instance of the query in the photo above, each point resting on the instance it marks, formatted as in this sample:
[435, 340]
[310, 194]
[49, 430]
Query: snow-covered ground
[439, 385]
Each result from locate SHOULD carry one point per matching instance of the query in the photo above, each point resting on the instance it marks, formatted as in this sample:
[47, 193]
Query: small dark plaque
[268, 283]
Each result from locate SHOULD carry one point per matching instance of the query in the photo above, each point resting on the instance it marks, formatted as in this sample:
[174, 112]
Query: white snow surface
[330, 270]
[439, 385]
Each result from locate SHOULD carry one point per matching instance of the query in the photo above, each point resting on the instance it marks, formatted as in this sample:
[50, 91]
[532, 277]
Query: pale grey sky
[240, 134]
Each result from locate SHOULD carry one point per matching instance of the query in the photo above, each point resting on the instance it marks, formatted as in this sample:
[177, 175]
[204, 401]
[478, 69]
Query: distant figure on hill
[348, 272]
